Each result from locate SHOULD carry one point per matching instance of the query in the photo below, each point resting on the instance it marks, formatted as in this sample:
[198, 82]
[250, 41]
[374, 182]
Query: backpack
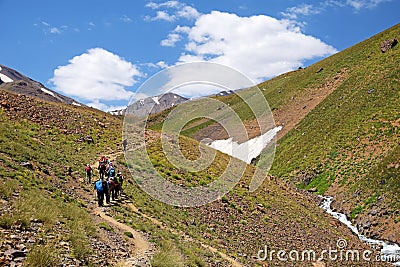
[88, 168]
[111, 172]
[99, 185]
[116, 180]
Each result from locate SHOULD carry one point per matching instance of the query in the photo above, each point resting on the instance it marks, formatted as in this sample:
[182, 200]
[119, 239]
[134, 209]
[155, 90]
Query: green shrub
[167, 256]
[43, 256]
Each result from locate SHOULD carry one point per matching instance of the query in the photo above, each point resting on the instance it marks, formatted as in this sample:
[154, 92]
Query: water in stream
[389, 251]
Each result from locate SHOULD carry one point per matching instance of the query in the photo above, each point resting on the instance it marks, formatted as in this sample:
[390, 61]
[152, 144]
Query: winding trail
[231, 260]
[142, 246]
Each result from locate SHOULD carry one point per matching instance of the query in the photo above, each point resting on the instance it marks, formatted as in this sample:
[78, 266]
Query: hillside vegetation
[348, 145]
[51, 211]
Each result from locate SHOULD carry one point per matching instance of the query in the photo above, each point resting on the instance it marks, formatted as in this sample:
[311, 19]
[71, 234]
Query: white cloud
[162, 64]
[97, 104]
[55, 30]
[48, 28]
[96, 76]
[163, 15]
[188, 12]
[303, 10]
[171, 39]
[355, 4]
[168, 4]
[196, 79]
[175, 36]
[126, 19]
[171, 11]
[159, 65]
[259, 46]
[360, 4]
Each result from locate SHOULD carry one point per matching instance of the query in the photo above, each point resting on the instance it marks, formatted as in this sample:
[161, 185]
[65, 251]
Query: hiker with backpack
[110, 170]
[98, 186]
[120, 181]
[106, 187]
[102, 167]
[88, 170]
[112, 187]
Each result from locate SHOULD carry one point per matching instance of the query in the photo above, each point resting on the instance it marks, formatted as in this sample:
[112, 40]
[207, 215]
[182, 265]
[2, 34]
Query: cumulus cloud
[260, 46]
[171, 39]
[168, 4]
[96, 76]
[175, 36]
[163, 15]
[159, 65]
[171, 11]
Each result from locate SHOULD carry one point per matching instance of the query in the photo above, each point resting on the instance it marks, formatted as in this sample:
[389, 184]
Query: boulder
[387, 45]
[26, 164]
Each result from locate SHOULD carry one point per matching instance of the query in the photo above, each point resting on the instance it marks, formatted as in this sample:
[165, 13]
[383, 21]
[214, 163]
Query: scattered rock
[312, 190]
[318, 71]
[15, 253]
[26, 164]
[88, 139]
[366, 225]
[373, 212]
[388, 44]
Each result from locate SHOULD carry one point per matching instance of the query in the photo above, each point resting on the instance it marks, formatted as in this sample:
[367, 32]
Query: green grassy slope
[349, 143]
[342, 145]
[35, 197]
[239, 224]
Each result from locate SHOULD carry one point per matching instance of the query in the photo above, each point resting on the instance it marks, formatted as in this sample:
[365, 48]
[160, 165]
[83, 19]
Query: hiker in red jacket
[102, 166]
[88, 170]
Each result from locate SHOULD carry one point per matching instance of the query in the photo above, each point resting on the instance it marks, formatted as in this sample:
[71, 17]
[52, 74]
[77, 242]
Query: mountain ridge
[14, 81]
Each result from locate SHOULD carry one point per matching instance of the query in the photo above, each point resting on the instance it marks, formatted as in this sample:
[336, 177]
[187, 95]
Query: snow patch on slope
[248, 150]
[47, 92]
[155, 99]
[5, 78]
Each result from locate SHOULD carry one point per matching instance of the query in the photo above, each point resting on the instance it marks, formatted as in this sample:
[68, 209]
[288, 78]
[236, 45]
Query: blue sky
[99, 52]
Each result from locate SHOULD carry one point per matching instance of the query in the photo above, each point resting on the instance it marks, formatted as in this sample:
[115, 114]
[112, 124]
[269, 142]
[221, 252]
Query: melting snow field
[248, 150]
[155, 99]
[48, 92]
[388, 251]
[5, 78]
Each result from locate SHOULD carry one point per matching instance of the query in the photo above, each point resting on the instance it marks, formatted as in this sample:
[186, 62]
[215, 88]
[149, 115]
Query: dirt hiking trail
[142, 246]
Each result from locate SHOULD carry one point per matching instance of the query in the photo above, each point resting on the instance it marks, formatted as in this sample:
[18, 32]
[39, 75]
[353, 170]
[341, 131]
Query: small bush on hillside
[43, 256]
[167, 256]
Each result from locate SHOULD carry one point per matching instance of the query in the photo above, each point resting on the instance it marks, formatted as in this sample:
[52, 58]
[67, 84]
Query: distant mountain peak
[14, 81]
[152, 105]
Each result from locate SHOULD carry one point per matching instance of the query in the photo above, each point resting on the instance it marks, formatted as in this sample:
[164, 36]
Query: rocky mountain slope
[155, 104]
[340, 134]
[14, 81]
[41, 168]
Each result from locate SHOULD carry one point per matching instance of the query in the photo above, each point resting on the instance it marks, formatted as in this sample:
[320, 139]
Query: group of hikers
[109, 183]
